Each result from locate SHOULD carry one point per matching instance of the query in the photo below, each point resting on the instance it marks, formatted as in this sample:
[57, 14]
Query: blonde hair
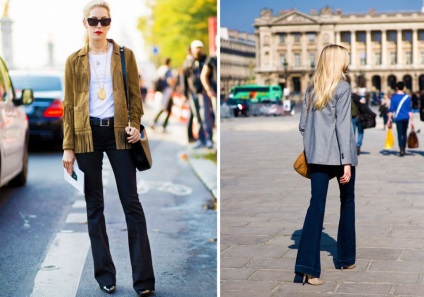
[89, 7]
[331, 69]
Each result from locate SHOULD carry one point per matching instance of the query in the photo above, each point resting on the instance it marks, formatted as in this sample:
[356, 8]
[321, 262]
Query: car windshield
[37, 83]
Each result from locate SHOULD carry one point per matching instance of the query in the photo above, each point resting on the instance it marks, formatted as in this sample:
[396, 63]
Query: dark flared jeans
[402, 128]
[125, 176]
[308, 256]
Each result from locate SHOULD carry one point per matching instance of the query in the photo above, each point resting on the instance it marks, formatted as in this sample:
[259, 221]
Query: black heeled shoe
[108, 288]
[142, 293]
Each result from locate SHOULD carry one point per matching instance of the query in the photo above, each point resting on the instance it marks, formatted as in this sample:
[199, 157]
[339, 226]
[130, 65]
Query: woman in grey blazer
[330, 150]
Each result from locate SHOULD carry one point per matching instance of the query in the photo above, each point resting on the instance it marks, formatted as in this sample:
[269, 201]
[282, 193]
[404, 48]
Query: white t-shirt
[101, 108]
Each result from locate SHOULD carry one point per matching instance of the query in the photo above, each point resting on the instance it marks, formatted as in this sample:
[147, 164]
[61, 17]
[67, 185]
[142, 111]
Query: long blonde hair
[331, 69]
[89, 6]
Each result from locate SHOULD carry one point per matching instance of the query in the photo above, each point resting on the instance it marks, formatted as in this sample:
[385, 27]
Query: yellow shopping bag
[390, 140]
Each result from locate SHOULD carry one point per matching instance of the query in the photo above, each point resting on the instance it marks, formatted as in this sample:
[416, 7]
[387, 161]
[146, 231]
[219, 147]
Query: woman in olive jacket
[95, 121]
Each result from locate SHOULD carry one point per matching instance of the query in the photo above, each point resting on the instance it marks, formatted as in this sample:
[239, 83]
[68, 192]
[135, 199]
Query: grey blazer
[328, 136]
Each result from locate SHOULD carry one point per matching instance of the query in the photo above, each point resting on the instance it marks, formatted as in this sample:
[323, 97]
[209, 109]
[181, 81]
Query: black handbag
[140, 151]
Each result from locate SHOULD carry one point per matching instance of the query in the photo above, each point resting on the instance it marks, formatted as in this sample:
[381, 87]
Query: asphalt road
[43, 231]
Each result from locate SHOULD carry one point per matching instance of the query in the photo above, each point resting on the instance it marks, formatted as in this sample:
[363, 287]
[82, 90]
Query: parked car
[14, 131]
[45, 115]
[239, 106]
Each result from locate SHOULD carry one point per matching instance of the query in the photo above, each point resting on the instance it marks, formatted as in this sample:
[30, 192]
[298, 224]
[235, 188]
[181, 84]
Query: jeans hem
[301, 270]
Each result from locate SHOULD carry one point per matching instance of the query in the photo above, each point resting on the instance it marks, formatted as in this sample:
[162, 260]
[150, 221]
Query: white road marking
[79, 204]
[60, 273]
[78, 218]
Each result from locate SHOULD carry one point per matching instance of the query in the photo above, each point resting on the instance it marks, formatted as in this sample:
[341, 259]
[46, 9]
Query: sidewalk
[204, 168]
[264, 201]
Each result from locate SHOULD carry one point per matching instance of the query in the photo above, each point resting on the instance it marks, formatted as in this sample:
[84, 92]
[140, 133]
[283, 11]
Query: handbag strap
[124, 74]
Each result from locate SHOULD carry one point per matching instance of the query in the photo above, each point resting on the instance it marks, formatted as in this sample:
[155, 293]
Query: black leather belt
[101, 122]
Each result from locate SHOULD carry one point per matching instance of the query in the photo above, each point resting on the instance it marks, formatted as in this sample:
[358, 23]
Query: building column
[258, 52]
[399, 47]
[337, 37]
[289, 42]
[383, 47]
[304, 58]
[353, 48]
[414, 47]
[368, 47]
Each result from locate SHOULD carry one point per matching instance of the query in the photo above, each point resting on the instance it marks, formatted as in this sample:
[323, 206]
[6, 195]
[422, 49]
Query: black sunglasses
[104, 22]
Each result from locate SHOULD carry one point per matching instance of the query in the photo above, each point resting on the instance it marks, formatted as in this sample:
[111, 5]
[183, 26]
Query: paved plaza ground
[264, 202]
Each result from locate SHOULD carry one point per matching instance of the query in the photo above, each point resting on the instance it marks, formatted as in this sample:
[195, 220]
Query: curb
[205, 169]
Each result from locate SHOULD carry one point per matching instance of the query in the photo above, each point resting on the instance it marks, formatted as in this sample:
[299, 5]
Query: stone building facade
[237, 59]
[384, 47]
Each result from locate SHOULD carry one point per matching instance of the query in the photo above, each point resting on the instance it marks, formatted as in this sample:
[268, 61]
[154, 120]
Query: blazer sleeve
[68, 106]
[303, 114]
[344, 124]
[134, 90]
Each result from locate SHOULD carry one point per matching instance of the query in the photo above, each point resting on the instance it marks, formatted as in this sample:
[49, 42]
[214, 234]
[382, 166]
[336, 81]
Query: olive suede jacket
[76, 119]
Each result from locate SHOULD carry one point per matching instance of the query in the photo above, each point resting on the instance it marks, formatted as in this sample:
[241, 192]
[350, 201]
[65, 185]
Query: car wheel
[21, 178]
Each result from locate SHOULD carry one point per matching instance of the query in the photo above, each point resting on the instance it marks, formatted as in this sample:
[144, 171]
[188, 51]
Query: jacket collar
[115, 55]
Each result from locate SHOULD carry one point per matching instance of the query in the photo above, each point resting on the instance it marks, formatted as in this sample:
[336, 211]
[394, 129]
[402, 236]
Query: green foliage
[176, 24]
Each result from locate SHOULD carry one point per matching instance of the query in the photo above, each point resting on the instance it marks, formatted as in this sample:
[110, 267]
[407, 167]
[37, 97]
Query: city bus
[261, 99]
[257, 93]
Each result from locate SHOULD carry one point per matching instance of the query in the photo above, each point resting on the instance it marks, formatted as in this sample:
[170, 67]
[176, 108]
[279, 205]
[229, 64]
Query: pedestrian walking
[329, 145]
[95, 122]
[400, 112]
[169, 81]
[384, 108]
[199, 103]
[357, 104]
[209, 77]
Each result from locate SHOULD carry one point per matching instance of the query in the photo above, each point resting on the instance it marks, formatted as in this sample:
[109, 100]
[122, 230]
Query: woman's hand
[134, 134]
[68, 160]
[346, 176]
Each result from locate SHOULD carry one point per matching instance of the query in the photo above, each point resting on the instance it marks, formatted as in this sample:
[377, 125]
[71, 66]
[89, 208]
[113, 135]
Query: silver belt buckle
[101, 123]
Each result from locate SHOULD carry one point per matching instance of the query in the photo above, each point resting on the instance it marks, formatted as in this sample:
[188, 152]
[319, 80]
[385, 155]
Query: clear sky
[240, 14]
[35, 21]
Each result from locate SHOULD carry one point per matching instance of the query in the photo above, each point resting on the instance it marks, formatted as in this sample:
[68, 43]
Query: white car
[14, 131]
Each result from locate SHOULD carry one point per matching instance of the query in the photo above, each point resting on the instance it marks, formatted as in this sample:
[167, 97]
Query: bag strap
[124, 74]
[401, 103]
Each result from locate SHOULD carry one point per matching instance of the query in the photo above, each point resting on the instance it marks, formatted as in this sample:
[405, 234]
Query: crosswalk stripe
[60, 273]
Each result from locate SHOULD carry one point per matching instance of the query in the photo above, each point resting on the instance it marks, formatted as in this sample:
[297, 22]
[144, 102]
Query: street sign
[155, 50]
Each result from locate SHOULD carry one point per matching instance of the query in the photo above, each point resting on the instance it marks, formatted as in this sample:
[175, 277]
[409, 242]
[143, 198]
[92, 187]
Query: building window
[296, 37]
[282, 59]
[345, 37]
[282, 38]
[392, 58]
[362, 36]
[311, 37]
[392, 36]
[312, 59]
[376, 36]
[422, 58]
[421, 35]
[377, 58]
[408, 58]
[297, 60]
[363, 58]
[407, 36]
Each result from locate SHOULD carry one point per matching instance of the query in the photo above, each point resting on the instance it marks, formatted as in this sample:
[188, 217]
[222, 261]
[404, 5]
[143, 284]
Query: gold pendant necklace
[101, 93]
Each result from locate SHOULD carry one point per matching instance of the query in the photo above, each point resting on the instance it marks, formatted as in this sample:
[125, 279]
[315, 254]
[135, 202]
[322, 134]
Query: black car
[239, 106]
[45, 114]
